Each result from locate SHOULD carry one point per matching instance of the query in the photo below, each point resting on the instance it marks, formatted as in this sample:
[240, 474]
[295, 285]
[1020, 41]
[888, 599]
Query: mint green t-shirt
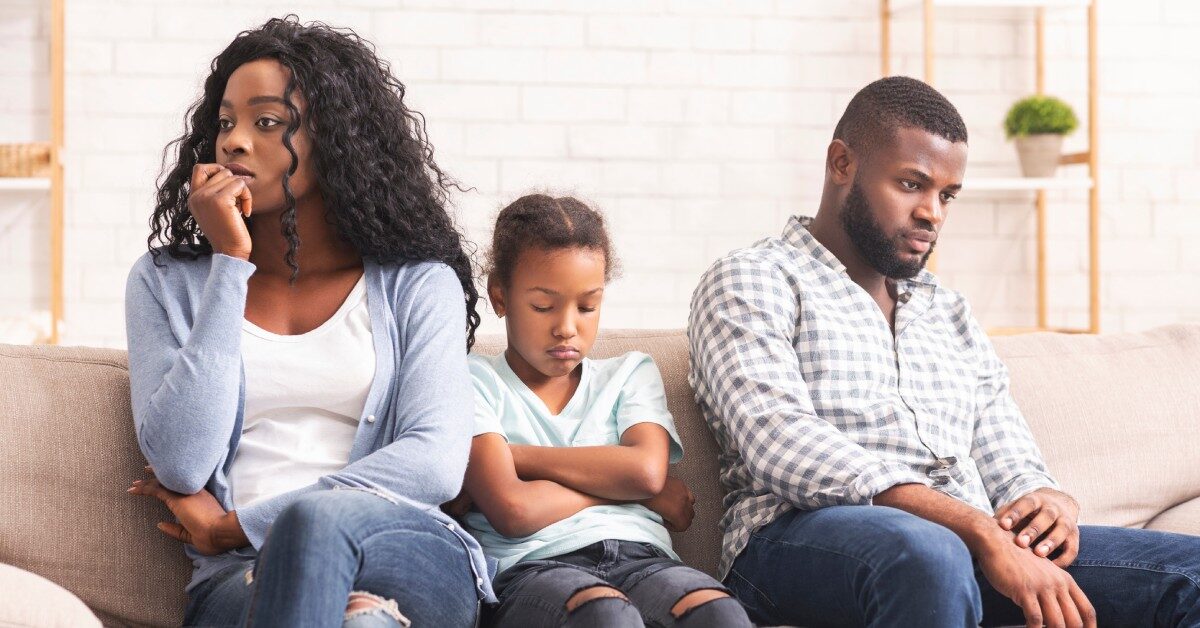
[613, 395]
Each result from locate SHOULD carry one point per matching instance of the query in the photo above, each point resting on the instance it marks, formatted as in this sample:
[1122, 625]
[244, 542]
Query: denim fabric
[1132, 577]
[534, 593]
[220, 601]
[328, 544]
[878, 566]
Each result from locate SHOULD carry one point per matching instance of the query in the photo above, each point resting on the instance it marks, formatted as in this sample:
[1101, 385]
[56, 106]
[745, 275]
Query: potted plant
[1038, 124]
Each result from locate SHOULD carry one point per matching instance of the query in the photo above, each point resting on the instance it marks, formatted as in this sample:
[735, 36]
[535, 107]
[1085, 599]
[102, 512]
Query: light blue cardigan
[184, 323]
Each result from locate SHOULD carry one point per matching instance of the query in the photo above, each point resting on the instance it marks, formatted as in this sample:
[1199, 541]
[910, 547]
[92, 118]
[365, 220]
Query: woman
[300, 330]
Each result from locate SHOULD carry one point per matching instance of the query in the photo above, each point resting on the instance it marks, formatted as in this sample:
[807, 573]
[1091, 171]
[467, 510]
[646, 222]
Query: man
[867, 427]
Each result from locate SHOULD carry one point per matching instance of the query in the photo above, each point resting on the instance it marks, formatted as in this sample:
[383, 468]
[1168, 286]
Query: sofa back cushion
[1117, 417]
[67, 456]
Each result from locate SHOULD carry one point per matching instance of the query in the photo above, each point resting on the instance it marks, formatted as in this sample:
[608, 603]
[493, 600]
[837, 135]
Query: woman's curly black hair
[373, 161]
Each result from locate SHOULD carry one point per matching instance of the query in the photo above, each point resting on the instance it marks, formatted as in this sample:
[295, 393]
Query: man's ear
[840, 162]
[495, 294]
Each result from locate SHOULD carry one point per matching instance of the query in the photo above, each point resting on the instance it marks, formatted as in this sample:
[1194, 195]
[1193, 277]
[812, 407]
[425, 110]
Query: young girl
[304, 328]
[569, 462]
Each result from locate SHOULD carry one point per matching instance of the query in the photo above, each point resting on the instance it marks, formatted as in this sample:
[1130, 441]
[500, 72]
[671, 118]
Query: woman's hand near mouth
[220, 200]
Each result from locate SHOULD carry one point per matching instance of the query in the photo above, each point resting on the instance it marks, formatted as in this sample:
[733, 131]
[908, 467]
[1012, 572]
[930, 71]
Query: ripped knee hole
[694, 600]
[596, 592]
[363, 602]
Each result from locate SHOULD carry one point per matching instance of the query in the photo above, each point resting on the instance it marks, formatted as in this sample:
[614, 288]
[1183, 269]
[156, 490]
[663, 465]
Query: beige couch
[1117, 416]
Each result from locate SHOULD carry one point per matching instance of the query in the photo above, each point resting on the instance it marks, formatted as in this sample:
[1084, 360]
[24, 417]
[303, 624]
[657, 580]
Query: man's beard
[875, 246]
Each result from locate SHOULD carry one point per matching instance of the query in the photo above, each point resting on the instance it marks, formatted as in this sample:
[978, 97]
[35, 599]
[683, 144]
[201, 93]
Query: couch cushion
[1117, 417]
[67, 456]
[1184, 518]
[699, 545]
[31, 600]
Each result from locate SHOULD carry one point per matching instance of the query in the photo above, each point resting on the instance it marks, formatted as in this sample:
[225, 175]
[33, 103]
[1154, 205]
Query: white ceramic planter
[1039, 154]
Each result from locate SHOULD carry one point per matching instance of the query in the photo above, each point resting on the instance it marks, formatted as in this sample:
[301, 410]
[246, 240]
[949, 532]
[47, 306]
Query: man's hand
[203, 523]
[676, 505]
[1044, 521]
[1046, 593]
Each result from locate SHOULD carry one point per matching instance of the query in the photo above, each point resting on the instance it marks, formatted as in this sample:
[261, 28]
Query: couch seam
[47, 358]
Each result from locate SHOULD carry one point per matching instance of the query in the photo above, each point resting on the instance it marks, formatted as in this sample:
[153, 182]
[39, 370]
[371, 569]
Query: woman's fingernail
[1025, 539]
[130, 490]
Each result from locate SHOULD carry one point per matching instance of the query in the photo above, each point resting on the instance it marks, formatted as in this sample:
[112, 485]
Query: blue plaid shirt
[815, 402]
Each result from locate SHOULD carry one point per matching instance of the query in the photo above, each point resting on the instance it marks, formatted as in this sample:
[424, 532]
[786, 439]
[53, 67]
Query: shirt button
[479, 582]
[370, 418]
[450, 526]
[904, 297]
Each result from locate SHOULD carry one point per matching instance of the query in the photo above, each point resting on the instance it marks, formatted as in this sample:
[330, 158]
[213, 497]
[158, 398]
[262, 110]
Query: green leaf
[1040, 114]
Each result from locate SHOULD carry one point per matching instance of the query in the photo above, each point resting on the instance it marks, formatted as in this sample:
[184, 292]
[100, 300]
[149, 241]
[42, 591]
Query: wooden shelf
[24, 183]
[1013, 331]
[29, 328]
[53, 183]
[926, 11]
[1002, 184]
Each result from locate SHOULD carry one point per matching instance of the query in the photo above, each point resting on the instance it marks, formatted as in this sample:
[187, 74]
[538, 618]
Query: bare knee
[694, 599]
[362, 602]
[592, 593]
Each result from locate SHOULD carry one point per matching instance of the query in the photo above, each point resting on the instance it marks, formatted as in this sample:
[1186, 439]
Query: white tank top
[304, 398]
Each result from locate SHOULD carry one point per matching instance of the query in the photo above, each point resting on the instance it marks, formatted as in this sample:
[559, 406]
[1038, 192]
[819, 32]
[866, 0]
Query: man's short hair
[878, 110]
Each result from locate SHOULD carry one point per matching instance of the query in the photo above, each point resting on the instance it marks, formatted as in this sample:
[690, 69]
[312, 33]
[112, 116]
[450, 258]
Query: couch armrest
[31, 600]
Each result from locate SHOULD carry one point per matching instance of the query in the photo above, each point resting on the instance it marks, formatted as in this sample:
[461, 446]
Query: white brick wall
[24, 239]
[697, 125]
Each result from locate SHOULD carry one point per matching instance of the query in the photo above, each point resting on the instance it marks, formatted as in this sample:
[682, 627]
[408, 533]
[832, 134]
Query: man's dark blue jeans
[878, 566]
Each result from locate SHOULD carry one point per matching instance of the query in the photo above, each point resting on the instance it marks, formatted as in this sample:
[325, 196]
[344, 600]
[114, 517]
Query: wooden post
[928, 15]
[885, 37]
[1040, 38]
[1093, 171]
[1042, 290]
[57, 140]
[1043, 316]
